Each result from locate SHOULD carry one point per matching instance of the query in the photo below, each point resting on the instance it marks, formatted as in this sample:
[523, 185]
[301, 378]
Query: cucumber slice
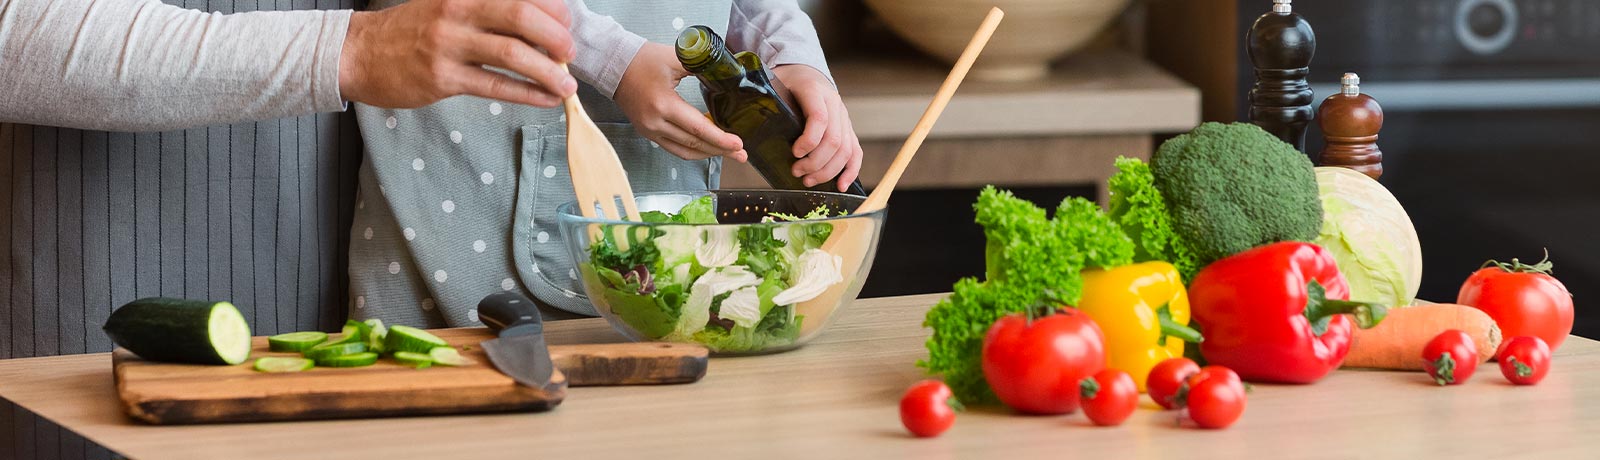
[407, 338]
[354, 331]
[181, 331]
[276, 364]
[417, 360]
[375, 334]
[296, 341]
[450, 357]
[329, 350]
[355, 360]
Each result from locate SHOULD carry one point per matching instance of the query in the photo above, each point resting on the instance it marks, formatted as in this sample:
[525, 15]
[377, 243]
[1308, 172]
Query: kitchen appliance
[1491, 109]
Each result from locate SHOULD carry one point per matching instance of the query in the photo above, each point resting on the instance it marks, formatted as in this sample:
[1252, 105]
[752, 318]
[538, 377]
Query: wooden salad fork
[597, 174]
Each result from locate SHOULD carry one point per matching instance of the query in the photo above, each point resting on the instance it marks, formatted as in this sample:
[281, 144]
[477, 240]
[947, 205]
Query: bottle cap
[1350, 84]
[1282, 6]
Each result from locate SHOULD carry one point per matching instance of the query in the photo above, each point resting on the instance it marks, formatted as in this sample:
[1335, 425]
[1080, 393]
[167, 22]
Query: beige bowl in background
[1034, 33]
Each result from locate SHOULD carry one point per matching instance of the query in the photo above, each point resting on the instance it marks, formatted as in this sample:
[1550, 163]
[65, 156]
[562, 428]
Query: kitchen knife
[519, 351]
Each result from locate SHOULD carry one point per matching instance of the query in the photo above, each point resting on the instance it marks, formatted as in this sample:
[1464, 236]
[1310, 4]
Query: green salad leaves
[731, 288]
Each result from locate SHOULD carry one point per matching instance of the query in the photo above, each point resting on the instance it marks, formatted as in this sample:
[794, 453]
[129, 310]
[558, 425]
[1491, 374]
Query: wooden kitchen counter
[836, 398]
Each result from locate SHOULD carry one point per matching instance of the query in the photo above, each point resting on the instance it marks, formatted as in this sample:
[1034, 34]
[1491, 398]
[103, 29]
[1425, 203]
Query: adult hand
[648, 95]
[419, 52]
[828, 147]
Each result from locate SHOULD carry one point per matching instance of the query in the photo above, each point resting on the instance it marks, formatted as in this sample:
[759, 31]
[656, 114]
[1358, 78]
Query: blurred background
[1492, 115]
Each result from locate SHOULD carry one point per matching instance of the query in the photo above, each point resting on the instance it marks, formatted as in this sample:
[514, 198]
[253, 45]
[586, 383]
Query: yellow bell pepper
[1143, 311]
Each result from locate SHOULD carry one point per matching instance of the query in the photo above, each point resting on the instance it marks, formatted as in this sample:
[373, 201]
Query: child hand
[648, 95]
[828, 148]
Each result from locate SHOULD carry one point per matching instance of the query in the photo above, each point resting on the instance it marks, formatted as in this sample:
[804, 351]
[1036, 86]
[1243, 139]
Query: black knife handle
[507, 309]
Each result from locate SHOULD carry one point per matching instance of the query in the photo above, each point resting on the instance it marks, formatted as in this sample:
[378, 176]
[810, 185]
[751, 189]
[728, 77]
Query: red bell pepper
[1277, 313]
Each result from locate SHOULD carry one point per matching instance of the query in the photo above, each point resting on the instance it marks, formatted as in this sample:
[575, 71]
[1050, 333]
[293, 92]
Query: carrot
[1397, 341]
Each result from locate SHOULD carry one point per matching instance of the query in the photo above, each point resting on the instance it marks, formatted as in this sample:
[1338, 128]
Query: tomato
[1109, 397]
[1524, 360]
[1214, 396]
[1450, 357]
[928, 408]
[1523, 299]
[1167, 378]
[1035, 366]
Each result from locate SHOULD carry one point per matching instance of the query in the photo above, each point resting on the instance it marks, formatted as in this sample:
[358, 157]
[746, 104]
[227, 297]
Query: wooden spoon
[880, 194]
[851, 238]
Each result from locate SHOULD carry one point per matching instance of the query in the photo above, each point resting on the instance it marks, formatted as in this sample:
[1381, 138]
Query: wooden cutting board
[166, 393]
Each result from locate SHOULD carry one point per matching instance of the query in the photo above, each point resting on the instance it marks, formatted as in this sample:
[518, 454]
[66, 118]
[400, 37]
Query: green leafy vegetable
[700, 211]
[1138, 208]
[1031, 259]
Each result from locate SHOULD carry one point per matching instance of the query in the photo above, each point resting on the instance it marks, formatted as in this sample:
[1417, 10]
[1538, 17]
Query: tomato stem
[955, 404]
[1444, 369]
[1544, 267]
[1523, 370]
[1088, 388]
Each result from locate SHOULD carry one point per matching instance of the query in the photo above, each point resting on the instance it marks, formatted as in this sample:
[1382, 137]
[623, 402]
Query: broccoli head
[1232, 187]
[1137, 207]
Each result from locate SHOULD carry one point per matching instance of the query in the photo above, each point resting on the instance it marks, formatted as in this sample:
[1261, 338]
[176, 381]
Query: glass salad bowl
[739, 271]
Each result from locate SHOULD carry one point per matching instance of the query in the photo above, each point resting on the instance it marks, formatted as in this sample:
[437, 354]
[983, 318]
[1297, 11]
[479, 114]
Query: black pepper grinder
[1281, 45]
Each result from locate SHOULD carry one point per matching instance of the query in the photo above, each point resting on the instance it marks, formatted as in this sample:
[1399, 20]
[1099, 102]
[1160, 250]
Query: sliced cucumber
[354, 331]
[296, 341]
[354, 360]
[329, 350]
[417, 360]
[449, 357]
[276, 364]
[375, 334]
[182, 331]
[407, 338]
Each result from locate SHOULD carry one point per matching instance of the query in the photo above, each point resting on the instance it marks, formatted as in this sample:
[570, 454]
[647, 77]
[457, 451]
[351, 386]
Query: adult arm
[139, 65]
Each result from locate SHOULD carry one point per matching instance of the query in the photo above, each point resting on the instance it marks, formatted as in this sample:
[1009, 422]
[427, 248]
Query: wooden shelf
[1104, 92]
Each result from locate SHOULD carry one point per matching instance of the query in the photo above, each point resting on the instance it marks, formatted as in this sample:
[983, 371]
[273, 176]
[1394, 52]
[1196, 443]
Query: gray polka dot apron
[457, 200]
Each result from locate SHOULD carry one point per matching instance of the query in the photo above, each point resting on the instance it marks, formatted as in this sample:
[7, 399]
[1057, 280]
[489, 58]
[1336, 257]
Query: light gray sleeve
[778, 31]
[604, 49]
[141, 65]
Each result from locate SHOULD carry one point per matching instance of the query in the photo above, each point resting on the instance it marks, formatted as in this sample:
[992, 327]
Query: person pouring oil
[746, 101]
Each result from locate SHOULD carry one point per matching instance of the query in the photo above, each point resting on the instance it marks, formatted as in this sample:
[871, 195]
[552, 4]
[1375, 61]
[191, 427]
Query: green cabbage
[1370, 236]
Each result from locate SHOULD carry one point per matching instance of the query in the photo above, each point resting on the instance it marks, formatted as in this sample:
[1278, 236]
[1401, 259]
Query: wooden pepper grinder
[1350, 124]
[1281, 44]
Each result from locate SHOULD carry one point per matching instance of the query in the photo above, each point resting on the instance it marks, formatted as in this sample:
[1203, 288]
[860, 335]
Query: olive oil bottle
[746, 100]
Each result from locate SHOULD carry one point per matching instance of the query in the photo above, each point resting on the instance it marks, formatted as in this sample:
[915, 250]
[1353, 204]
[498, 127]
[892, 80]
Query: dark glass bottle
[746, 100]
[1281, 44]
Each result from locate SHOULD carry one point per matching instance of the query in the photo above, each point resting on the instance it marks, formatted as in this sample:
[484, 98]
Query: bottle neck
[703, 53]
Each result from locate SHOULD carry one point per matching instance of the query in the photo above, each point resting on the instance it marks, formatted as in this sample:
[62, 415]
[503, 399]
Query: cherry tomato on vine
[928, 408]
[1524, 360]
[1450, 357]
[1109, 397]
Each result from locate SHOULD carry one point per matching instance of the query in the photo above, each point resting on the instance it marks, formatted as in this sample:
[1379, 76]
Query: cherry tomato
[1450, 357]
[1109, 397]
[1167, 378]
[1523, 299]
[1524, 360]
[928, 408]
[1214, 396]
[1035, 366]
